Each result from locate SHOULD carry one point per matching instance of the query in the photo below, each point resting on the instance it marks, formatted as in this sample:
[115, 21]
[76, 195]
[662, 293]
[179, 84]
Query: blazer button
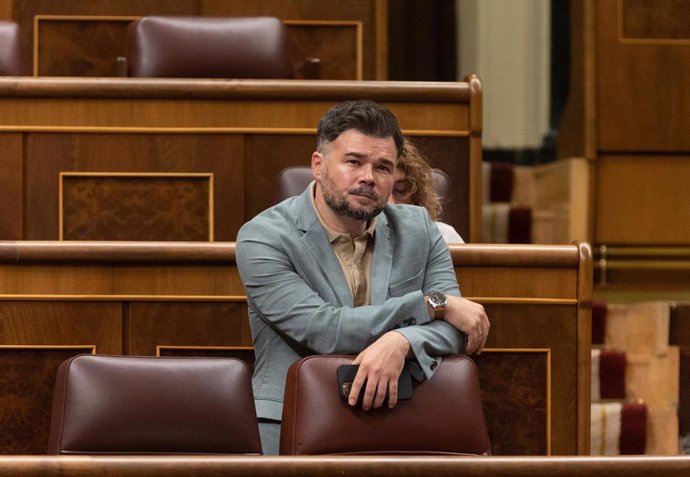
[433, 365]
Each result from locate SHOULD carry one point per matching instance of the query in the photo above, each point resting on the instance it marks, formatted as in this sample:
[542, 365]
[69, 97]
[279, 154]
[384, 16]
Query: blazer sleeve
[430, 340]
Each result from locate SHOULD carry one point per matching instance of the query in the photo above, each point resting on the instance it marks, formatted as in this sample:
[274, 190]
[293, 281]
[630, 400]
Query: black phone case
[347, 373]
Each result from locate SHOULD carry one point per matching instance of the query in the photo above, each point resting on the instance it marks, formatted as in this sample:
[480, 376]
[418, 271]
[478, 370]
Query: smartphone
[347, 373]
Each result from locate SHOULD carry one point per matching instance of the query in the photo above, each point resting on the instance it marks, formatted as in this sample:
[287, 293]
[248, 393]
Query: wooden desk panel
[186, 298]
[239, 134]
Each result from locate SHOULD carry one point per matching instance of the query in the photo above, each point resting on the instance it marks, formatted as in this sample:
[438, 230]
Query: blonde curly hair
[418, 174]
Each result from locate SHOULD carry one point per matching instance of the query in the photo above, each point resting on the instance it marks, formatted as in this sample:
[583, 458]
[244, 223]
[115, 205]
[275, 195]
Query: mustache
[365, 190]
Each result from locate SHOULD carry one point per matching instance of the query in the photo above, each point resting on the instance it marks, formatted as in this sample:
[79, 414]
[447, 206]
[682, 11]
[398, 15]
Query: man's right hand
[470, 318]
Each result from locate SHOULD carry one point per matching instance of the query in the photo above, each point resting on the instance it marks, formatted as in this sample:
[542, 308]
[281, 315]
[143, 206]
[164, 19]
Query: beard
[342, 207]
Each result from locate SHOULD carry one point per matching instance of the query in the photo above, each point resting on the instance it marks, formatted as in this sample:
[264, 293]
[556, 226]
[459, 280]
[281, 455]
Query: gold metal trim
[523, 301]
[207, 175]
[613, 264]
[359, 42]
[96, 297]
[640, 41]
[203, 130]
[109, 18]
[547, 352]
[645, 251]
[159, 348]
[671, 259]
[243, 298]
[30, 347]
[39, 18]
[155, 130]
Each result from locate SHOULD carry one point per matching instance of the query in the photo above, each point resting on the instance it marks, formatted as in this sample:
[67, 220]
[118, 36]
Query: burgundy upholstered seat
[208, 47]
[444, 415]
[148, 405]
[10, 57]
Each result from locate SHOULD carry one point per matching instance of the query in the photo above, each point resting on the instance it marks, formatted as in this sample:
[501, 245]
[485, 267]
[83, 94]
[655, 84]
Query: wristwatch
[438, 301]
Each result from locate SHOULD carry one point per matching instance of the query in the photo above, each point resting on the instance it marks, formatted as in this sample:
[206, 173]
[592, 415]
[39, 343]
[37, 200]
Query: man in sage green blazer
[337, 270]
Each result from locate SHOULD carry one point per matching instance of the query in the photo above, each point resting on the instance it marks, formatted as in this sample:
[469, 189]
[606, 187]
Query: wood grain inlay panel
[79, 47]
[27, 379]
[515, 394]
[147, 207]
[49, 155]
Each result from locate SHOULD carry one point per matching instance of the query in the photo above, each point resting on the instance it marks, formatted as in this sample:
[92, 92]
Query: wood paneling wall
[629, 116]
[151, 298]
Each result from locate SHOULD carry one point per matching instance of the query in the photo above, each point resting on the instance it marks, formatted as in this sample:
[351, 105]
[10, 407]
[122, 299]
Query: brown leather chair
[444, 415]
[208, 47]
[10, 57]
[148, 405]
[293, 180]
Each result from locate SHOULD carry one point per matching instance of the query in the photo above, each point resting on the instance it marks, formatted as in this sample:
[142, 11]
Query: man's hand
[470, 318]
[380, 365]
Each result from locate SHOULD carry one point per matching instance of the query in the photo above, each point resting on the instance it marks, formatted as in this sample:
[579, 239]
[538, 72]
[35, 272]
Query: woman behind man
[414, 185]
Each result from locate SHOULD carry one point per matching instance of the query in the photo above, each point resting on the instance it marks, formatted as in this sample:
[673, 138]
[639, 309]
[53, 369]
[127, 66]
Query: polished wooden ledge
[159, 88]
[103, 251]
[322, 466]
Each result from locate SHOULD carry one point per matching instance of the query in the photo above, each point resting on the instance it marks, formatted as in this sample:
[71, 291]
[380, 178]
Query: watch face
[437, 299]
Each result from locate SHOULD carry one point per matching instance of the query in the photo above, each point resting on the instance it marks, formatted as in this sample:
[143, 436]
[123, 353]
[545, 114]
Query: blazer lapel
[316, 243]
[382, 261]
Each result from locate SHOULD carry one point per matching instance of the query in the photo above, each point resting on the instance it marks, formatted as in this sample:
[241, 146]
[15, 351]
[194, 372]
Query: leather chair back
[444, 415]
[208, 47]
[10, 58]
[148, 405]
[293, 180]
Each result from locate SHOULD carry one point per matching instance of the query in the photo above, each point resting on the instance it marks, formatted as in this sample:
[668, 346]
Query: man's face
[356, 174]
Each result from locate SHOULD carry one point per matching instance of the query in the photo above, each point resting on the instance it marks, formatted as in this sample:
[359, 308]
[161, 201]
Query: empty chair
[444, 415]
[10, 57]
[148, 405]
[208, 47]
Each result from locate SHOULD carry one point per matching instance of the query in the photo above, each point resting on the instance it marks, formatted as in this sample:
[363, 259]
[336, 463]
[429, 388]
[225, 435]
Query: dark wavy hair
[363, 115]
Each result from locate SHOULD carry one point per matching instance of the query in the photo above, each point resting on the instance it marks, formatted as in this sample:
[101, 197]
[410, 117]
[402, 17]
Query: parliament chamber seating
[145, 405]
[444, 415]
[10, 58]
[59, 299]
[208, 47]
[293, 180]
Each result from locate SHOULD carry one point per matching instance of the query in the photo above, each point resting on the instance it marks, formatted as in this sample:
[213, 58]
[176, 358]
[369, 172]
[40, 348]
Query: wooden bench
[192, 160]
[58, 299]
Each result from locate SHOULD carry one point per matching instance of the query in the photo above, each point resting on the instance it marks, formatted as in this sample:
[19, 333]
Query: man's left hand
[380, 365]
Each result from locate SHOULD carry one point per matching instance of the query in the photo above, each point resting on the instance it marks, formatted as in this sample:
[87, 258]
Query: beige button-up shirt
[354, 255]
